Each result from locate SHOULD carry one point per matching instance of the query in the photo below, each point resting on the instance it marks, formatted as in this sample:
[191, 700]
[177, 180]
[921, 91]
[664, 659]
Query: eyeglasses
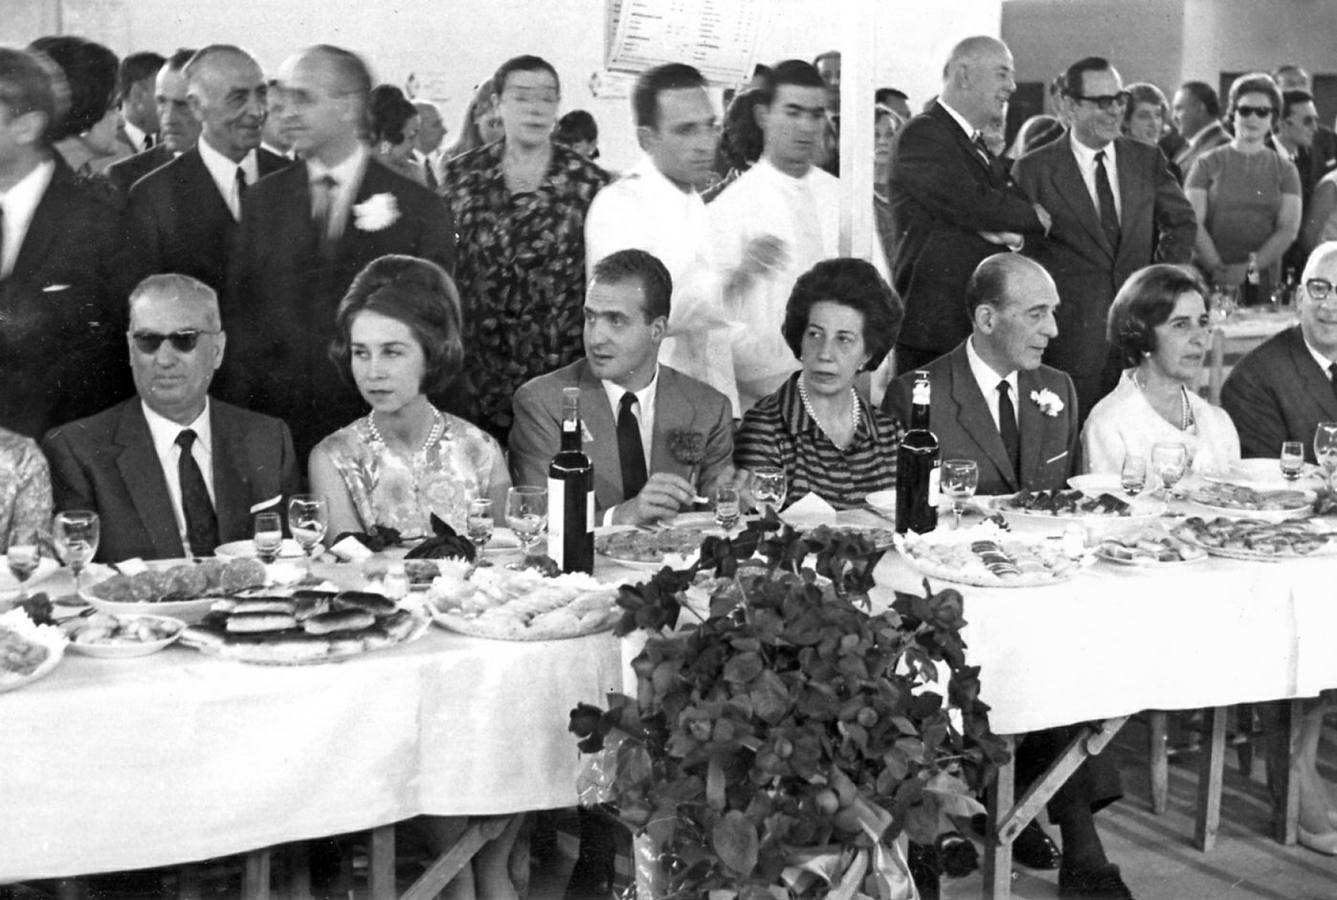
[1261, 112]
[1106, 102]
[148, 342]
[1319, 290]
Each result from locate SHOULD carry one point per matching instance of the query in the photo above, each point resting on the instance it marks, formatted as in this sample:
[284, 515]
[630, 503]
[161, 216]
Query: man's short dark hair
[1203, 93]
[526, 63]
[886, 94]
[1074, 79]
[178, 60]
[1292, 99]
[1291, 69]
[991, 282]
[137, 67]
[90, 73]
[797, 72]
[1146, 300]
[853, 283]
[389, 112]
[29, 82]
[622, 266]
[653, 82]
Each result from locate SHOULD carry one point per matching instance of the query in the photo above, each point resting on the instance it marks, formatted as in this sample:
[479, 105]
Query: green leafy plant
[790, 721]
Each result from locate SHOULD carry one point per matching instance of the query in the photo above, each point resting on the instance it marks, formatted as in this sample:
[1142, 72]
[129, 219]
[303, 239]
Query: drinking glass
[1325, 448]
[527, 514]
[308, 518]
[726, 507]
[76, 534]
[768, 486]
[1169, 461]
[479, 526]
[268, 536]
[23, 557]
[1225, 300]
[1292, 459]
[1133, 474]
[959, 480]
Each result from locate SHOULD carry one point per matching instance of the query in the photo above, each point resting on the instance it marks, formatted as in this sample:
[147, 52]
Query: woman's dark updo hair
[848, 282]
[1146, 300]
[91, 72]
[390, 112]
[416, 292]
[1256, 83]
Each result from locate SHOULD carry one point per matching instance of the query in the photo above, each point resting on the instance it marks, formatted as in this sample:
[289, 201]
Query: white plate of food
[107, 636]
[27, 651]
[1264, 473]
[1097, 483]
[1075, 506]
[986, 556]
[1233, 499]
[524, 605]
[1256, 540]
[639, 548]
[179, 589]
[1152, 547]
[46, 566]
[289, 549]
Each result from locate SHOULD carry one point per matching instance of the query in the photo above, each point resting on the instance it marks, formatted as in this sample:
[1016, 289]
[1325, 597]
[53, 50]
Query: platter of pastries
[27, 651]
[181, 589]
[1154, 547]
[986, 556]
[1253, 539]
[523, 605]
[1074, 504]
[1229, 498]
[676, 546]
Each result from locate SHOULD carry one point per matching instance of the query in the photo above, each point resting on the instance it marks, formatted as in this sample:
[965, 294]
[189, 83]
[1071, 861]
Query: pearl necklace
[438, 428]
[1185, 411]
[807, 407]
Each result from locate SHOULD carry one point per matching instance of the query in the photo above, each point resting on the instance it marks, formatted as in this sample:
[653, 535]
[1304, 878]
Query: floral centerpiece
[783, 745]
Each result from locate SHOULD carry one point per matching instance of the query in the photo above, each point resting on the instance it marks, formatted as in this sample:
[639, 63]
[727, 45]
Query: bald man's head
[978, 80]
[228, 97]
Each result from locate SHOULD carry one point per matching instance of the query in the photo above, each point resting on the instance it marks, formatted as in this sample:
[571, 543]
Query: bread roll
[250, 623]
[339, 620]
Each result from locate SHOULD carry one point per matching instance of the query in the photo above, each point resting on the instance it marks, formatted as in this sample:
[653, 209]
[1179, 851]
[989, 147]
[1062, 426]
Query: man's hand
[1045, 218]
[663, 496]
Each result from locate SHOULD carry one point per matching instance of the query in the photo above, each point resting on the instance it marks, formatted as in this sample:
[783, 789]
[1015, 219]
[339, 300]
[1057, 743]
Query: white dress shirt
[1323, 361]
[645, 210]
[224, 173]
[138, 137]
[164, 432]
[348, 178]
[971, 131]
[988, 379]
[18, 204]
[644, 411]
[1086, 164]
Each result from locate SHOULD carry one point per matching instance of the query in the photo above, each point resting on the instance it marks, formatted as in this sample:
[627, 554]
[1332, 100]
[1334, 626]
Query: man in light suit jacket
[184, 215]
[636, 413]
[1094, 244]
[306, 232]
[172, 472]
[953, 203]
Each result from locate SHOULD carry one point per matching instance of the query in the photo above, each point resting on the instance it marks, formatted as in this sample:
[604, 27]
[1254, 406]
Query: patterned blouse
[402, 493]
[778, 431]
[520, 267]
[25, 487]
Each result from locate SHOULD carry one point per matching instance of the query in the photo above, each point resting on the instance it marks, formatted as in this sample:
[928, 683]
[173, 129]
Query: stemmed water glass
[1325, 448]
[1292, 459]
[768, 486]
[1133, 474]
[23, 557]
[268, 536]
[76, 535]
[1169, 461]
[527, 514]
[308, 518]
[960, 479]
[479, 526]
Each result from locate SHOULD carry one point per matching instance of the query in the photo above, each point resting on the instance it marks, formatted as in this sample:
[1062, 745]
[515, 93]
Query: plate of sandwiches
[1256, 540]
[676, 547]
[521, 605]
[986, 556]
[1075, 505]
[1151, 547]
[302, 626]
[1232, 499]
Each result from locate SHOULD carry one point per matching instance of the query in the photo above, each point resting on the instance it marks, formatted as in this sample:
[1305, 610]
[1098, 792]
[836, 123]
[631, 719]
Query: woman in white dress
[1158, 324]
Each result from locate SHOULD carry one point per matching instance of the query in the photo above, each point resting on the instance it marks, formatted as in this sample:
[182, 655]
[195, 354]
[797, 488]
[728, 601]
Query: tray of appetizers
[986, 556]
[1075, 505]
[27, 651]
[521, 605]
[1151, 547]
[1254, 539]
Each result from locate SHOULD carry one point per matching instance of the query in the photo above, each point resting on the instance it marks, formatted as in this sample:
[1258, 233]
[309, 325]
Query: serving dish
[502, 604]
[986, 556]
[123, 642]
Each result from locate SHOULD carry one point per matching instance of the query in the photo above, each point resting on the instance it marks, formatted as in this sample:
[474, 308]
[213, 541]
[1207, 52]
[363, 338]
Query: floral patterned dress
[25, 487]
[402, 492]
[520, 267]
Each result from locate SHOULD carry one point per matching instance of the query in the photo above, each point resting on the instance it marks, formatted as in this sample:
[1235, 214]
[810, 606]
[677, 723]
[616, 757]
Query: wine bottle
[917, 466]
[1249, 295]
[571, 495]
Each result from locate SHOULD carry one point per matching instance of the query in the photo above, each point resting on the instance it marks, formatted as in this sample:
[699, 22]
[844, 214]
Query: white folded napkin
[350, 549]
[132, 566]
[809, 512]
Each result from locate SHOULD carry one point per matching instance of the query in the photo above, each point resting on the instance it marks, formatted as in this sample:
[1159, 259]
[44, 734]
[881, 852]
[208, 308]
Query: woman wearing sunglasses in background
[1245, 194]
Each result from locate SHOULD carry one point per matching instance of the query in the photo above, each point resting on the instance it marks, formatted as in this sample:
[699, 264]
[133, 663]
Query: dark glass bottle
[1249, 291]
[571, 495]
[917, 467]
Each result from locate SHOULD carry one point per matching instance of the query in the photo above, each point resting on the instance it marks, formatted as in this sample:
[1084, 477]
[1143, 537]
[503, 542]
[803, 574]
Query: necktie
[1109, 217]
[322, 211]
[629, 449]
[982, 146]
[241, 190]
[201, 523]
[1332, 371]
[148, 142]
[1007, 427]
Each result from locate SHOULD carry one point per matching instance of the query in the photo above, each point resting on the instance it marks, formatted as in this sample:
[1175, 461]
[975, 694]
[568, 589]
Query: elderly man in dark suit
[184, 215]
[1116, 208]
[172, 472]
[953, 202]
[306, 231]
[62, 272]
[177, 128]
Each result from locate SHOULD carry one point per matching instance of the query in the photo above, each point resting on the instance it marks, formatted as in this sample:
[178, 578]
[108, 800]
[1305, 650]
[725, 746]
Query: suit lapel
[145, 483]
[601, 445]
[201, 187]
[45, 224]
[974, 418]
[1069, 185]
[1032, 424]
[1313, 380]
[673, 412]
[962, 139]
[231, 497]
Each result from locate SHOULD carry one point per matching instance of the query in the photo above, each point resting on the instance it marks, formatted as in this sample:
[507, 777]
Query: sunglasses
[1261, 112]
[1106, 102]
[148, 342]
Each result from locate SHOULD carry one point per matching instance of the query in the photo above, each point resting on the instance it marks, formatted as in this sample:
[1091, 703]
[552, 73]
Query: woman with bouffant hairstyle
[397, 338]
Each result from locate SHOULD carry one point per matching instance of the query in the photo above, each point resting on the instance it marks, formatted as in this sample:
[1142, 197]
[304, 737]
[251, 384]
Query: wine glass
[959, 479]
[1133, 474]
[726, 507]
[268, 536]
[1169, 461]
[1225, 300]
[1292, 459]
[308, 518]
[768, 486]
[76, 534]
[1325, 448]
[527, 514]
[23, 557]
[479, 526]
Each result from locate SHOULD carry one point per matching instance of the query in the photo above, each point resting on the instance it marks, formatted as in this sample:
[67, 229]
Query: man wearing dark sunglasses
[1116, 208]
[172, 472]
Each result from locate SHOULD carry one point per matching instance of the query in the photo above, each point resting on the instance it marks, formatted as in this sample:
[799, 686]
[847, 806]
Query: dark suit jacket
[1278, 393]
[960, 418]
[107, 463]
[681, 403]
[1156, 225]
[126, 172]
[942, 194]
[62, 312]
[282, 294]
[179, 221]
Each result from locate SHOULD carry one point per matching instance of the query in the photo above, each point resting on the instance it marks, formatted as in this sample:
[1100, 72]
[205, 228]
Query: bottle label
[935, 484]
[556, 520]
[920, 394]
[589, 511]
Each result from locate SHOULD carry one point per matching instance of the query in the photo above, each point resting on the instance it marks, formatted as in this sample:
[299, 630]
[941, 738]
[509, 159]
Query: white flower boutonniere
[1048, 401]
[376, 213]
